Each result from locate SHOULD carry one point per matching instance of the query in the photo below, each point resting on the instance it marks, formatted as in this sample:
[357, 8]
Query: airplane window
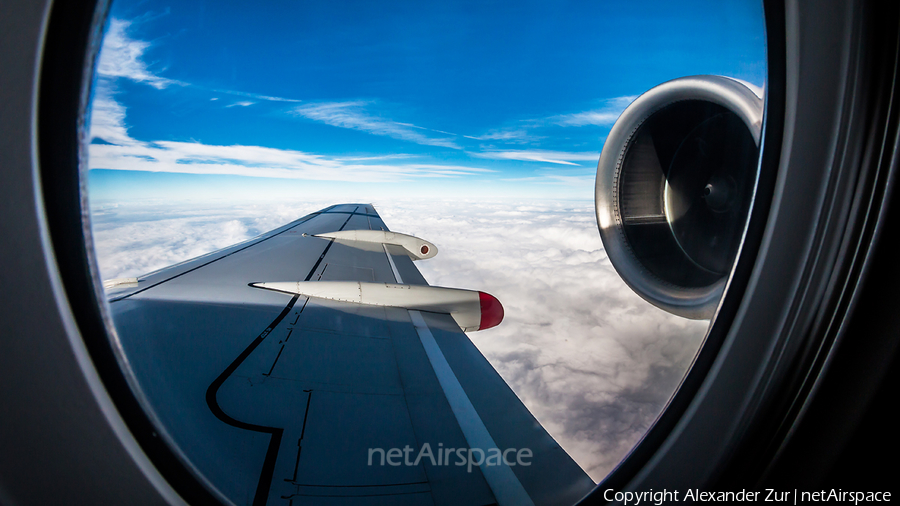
[355, 251]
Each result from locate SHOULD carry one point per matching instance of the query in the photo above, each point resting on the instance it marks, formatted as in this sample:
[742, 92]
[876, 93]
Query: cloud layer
[591, 360]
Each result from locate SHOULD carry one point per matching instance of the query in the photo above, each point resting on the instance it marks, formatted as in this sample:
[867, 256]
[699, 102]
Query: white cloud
[591, 360]
[122, 56]
[539, 155]
[352, 115]
[243, 103]
[604, 116]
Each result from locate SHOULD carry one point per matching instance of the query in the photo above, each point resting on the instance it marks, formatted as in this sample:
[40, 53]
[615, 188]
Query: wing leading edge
[280, 398]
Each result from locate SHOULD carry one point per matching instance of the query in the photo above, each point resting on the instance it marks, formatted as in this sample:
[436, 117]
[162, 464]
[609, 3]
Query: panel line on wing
[300, 441]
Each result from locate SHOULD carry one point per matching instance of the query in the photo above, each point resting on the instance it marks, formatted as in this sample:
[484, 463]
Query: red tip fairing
[491, 311]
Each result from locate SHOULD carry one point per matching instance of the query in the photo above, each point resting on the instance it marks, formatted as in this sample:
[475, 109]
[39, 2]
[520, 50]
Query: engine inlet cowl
[674, 186]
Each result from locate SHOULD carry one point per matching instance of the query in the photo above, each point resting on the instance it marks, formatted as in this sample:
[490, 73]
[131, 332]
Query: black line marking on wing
[261, 496]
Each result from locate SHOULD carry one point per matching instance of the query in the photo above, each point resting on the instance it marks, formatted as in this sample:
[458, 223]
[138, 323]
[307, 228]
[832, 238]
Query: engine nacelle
[675, 182]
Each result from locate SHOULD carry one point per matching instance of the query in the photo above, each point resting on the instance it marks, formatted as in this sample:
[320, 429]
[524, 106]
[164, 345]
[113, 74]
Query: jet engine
[674, 185]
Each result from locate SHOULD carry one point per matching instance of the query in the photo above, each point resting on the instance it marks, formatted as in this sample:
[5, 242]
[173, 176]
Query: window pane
[475, 126]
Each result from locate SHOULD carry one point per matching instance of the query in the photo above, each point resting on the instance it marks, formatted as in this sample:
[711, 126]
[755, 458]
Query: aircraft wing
[275, 397]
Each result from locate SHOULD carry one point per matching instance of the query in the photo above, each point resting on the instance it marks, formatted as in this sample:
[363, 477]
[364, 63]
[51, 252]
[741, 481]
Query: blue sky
[361, 100]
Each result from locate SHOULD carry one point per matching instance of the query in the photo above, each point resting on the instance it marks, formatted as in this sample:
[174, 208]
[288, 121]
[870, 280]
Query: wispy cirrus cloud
[259, 161]
[512, 136]
[602, 116]
[525, 131]
[113, 147]
[389, 156]
[353, 115]
[254, 96]
[577, 180]
[123, 56]
[539, 155]
[242, 103]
